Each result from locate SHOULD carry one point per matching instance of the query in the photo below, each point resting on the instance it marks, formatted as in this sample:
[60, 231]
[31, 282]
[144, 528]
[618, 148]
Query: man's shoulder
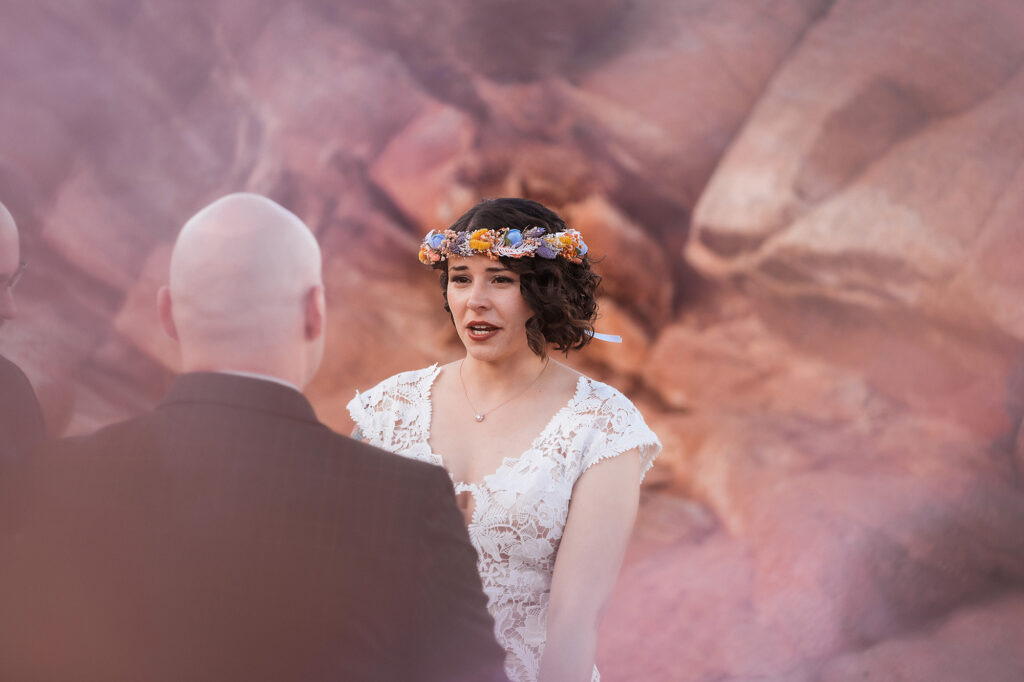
[12, 376]
[311, 447]
[106, 440]
[387, 463]
[19, 408]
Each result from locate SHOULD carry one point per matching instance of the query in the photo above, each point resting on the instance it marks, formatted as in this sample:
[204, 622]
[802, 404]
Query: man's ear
[164, 309]
[316, 313]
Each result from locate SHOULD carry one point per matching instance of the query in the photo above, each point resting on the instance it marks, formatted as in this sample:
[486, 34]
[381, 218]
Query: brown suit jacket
[229, 535]
[21, 420]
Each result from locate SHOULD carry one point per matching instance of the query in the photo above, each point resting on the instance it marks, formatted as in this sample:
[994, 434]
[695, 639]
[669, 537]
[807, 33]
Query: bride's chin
[481, 354]
[485, 353]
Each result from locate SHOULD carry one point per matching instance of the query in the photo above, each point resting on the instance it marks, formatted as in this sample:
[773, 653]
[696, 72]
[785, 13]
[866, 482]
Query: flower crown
[506, 241]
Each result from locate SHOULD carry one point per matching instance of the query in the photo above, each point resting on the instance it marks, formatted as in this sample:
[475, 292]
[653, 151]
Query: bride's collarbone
[465, 443]
[473, 449]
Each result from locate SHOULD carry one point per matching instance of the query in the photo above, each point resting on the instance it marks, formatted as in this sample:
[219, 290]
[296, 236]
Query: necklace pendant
[479, 417]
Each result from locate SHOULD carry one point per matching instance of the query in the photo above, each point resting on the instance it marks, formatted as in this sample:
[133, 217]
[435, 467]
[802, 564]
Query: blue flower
[514, 237]
[435, 240]
[544, 251]
[583, 248]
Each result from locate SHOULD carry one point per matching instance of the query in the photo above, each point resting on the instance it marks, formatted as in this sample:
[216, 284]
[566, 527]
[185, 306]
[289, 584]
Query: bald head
[10, 254]
[244, 273]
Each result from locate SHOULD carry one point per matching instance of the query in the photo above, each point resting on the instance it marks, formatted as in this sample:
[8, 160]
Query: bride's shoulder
[604, 393]
[412, 377]
[591, 397]
[611, 413]
[404, 386]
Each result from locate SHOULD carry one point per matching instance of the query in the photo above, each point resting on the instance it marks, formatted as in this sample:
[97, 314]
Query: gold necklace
[480, 416]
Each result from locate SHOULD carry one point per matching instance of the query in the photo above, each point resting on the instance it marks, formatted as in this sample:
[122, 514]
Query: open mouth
[481, 331]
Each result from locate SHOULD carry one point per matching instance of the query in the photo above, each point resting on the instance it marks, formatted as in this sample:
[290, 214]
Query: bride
[546, 462]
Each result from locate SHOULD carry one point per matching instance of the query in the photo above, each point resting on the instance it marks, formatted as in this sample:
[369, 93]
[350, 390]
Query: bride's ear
[165, 310]
[316, 313]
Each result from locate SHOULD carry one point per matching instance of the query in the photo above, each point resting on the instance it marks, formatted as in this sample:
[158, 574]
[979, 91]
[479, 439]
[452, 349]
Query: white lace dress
[520, 510]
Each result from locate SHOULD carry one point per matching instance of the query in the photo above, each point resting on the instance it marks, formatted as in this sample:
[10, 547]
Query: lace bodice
[520, 510]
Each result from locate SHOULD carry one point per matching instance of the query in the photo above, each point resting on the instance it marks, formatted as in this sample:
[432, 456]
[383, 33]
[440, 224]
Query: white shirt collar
[264, 377]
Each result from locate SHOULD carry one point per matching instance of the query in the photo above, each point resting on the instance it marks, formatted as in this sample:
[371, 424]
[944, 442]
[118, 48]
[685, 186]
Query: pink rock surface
[876, 186]
[983, 642]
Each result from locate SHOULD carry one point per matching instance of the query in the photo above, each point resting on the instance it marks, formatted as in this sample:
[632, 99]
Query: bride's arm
[601, 516]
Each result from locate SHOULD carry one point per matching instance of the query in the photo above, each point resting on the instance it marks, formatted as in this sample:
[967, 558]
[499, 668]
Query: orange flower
[427, 255]
[480, 240]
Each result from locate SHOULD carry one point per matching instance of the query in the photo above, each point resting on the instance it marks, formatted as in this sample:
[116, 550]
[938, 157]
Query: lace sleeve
[623, 429]
[362, 413]
[389, 414]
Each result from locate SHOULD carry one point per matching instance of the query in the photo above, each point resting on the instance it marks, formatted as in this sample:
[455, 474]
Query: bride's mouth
[480, 332]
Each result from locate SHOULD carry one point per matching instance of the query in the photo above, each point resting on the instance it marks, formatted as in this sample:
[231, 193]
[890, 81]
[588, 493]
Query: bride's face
[488, 308]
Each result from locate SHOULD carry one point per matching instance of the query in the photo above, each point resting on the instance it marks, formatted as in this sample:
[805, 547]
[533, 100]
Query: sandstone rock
[627, 357]
[95, 233]
[860, 106]
[989, 285]
[742, 363]
[940, 373]
[681, 436]
[116, 381]
[980, 642]
[527, 145]
[856, 529]
[334, 93]
[635, 268]
[689, 597]
[873, 189]
[31, 165]
[668, 519]
[674, 98]
[384, 314]
[906, 238]
[536, 37]
[844, 559]
[138, 321]
[837, 556]
[419, 168]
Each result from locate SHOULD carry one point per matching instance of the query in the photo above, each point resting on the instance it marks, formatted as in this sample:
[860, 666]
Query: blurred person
[546, 461]
[228, 535]
[21, 421]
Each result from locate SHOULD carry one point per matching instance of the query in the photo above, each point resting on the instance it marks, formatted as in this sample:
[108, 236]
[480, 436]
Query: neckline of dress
[505, 461]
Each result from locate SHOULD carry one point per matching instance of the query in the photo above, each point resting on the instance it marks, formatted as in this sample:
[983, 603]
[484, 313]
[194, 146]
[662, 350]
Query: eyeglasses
[13, 280]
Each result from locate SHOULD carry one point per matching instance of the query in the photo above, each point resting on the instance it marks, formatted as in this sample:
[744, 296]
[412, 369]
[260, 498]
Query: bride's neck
[507, 373]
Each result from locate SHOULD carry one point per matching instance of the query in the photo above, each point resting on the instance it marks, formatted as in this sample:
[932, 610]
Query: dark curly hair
[560, 293]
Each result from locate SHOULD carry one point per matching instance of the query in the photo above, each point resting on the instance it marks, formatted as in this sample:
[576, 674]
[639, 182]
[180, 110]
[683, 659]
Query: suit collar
[240, 392]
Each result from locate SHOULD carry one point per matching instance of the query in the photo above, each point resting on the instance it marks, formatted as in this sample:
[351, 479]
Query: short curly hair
[561, 294]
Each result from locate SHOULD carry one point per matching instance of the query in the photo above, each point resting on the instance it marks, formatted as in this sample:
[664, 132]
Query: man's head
[246, 292]
[10, 255]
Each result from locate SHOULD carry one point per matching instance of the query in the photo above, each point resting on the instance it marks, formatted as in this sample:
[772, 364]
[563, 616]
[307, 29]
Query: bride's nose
[479, 297]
